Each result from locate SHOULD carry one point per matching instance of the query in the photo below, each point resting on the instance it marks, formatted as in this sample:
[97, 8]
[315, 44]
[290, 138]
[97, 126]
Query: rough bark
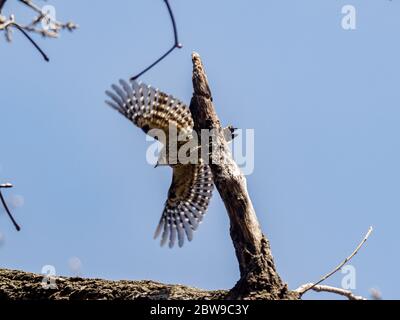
[256, 264]
[18, 285]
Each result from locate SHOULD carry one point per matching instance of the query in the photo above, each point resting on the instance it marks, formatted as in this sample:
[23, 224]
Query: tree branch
[256, 264]
[50, 26]
[322, 288]
[18, 285]
[176, 45]
[3, 202]
[304, 288]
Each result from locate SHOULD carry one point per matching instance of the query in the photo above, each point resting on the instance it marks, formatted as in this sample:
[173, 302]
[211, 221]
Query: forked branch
[322, 288]
[315, 286]
[176, 45]
[43, 24]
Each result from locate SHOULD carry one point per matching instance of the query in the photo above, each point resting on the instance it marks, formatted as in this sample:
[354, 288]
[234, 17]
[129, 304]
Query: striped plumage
[192, 184]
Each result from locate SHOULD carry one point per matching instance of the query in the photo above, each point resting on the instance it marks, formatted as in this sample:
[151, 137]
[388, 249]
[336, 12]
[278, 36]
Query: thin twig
[323, 288]
[3, 201]
[175, 45]
[31, 5]
[303, 289]
[10, 23]
[45, 57]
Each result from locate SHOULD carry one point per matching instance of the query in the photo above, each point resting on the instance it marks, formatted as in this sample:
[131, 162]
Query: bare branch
[50, 27]
[18, 285]
[31, 5]
[45, 57]
[322, 288]
[3, 201]
[304, 288]
[176, 44]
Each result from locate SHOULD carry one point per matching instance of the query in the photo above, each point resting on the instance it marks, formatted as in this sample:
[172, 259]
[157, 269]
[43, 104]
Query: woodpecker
[192, 184]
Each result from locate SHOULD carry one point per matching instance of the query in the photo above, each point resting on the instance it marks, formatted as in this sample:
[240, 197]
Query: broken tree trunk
[257, 269]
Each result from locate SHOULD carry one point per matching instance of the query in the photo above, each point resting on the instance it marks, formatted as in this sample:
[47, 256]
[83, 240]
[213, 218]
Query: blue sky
[323, 101]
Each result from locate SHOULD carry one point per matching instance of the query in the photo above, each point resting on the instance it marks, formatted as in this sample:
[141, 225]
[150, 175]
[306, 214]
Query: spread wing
[192, 184]
[149, 108]
[188, 199]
